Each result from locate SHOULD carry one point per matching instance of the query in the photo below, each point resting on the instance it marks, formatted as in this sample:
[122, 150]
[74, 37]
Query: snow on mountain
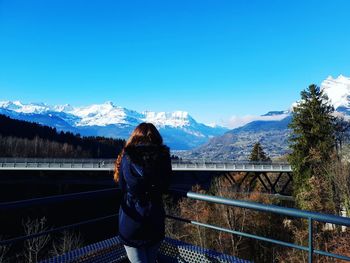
[63, 108]
[270, 129]
[338, 91]
[104, 114]
[99, 115]
[19, 107]
[174, 119]
[179, 129]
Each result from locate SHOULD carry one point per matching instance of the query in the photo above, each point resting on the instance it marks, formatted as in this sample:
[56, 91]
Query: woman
[143, 170]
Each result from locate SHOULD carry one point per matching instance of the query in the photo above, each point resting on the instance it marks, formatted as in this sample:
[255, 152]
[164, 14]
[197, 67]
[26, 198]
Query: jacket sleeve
[166, 173]
[122, 182]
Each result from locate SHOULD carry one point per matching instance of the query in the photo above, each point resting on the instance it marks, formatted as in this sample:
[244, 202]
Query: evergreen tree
[258, 154]
[25, 139]
[312, 143]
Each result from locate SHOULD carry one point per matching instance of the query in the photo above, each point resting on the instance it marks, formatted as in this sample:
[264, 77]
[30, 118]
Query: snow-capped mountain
[179, 129]
[338, 92]
[270, 129]
[17, 106]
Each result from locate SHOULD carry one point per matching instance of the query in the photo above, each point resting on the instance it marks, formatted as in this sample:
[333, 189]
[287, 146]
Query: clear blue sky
[213, 59]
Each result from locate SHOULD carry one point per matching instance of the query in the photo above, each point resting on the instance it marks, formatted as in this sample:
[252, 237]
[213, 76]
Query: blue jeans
[142, 254]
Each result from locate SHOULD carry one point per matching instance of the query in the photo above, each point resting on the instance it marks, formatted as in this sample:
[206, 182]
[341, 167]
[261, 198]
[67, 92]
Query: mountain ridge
[273, 135]
[180, 130]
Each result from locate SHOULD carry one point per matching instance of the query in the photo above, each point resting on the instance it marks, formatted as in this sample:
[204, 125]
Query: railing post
[311, 247]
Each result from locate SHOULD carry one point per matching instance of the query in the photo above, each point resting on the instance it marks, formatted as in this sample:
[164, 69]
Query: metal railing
[290, 212]
[54, 200]
[94, 160]
[108, 165]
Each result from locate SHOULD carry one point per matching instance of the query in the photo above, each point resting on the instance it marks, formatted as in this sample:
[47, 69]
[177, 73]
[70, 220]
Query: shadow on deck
[111, 250]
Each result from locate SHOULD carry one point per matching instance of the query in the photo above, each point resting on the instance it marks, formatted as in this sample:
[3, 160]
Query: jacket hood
[140, 154]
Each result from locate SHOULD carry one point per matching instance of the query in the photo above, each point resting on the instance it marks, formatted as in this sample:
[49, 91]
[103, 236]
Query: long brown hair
[144, 133]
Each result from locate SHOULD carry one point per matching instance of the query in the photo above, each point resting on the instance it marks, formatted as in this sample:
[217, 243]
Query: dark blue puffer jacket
[144, 176]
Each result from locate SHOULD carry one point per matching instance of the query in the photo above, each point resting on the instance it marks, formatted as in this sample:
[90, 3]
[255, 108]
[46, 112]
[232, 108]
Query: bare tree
[339, 172]
[233, 218]
[173, 228]
[3, 251]
[341, 132]
[34, 246]
[198, 211]
[67, 242]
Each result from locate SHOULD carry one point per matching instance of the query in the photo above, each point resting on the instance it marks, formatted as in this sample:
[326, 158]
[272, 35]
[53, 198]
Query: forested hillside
[26, 139]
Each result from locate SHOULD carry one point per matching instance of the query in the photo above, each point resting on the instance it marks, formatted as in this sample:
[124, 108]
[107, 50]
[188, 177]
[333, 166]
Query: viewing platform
[111, 250]
[45, 164]
[171, 250]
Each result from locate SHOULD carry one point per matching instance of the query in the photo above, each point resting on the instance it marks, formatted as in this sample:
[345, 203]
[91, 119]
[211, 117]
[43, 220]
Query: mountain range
[179, 130]
[273, 135]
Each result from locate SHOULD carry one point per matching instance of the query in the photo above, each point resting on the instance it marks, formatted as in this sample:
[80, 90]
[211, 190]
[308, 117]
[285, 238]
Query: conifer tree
[312, 143]
[258, 153]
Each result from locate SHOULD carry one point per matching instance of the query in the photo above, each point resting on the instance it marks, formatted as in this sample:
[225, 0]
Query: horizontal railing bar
[326, 218]
[109, 160]
[179, 219]
[237, 232]
[328, 254]
[213, 199]
[270, 240]
[54, 199]
[56, 160]
[47, 169]
[22, 238]
[67, 197]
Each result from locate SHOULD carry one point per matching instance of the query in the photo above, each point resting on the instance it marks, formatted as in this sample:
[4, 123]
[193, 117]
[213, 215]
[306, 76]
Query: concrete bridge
[45, 164]
[188, 172]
